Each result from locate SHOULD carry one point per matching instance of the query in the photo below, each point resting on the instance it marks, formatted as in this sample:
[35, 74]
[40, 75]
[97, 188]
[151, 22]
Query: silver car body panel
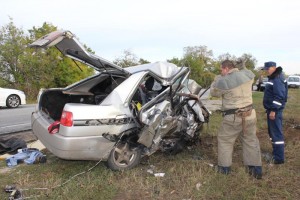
[91, 120]
[159, 122]
[194, 88]
[151, 116]
[70, 148]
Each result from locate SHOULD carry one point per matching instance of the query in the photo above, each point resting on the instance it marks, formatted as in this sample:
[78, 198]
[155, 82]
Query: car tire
[13, 101]
[123, 157]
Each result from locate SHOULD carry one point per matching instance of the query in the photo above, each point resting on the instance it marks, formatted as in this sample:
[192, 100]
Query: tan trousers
[230, 129]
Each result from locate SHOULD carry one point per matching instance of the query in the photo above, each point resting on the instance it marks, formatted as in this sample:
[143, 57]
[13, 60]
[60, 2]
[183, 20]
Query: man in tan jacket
[239, 118]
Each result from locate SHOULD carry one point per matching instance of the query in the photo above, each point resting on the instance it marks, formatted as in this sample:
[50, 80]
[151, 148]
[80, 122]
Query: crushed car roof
[162, 69]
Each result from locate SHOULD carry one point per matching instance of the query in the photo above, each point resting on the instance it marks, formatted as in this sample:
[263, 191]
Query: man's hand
[272, 115]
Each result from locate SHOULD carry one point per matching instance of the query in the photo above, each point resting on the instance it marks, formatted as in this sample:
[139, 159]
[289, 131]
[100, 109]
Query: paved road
[17, 119]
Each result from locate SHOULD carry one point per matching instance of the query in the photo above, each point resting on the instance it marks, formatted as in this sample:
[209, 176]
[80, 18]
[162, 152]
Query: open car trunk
[52, 102]
[90, 91]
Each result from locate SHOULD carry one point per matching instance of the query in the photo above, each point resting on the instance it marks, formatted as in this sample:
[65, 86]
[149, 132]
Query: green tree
[143, 61]
[246, 60]
[201, 62]
[226, 56]
[199, 52]
[128, 59]
[250, 61]
[30, 69]
[12, 48]
[175, 61]
[61, 70]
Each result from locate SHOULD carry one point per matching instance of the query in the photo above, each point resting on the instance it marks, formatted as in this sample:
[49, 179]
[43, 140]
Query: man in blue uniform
[275, 98]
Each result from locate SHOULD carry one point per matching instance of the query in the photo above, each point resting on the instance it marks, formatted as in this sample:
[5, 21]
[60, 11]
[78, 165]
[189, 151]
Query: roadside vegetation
[188, 175]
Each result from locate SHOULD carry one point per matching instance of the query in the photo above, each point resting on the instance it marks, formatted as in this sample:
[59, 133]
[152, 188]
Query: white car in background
[11, 98]
[293, 81]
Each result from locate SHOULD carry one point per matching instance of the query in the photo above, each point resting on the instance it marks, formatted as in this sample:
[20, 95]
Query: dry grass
[188, 175]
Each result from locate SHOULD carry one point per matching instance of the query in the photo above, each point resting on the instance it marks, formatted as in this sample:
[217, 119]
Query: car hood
[67, 44]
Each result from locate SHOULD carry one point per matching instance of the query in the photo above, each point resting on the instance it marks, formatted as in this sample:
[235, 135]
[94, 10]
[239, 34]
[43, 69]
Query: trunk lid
[67, 44]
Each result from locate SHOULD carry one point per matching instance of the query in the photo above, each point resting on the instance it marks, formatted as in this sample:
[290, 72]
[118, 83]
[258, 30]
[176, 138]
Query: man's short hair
[227, 63]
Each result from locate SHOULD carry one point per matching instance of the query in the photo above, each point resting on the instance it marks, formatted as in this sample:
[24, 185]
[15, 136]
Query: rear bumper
[67, 147]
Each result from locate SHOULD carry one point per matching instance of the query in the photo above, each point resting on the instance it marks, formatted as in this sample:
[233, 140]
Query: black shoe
[257, 176]
[278, 162]
[224, 170]
[255, 171]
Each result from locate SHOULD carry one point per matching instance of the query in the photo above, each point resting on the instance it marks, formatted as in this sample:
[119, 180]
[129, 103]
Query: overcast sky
[157, 30]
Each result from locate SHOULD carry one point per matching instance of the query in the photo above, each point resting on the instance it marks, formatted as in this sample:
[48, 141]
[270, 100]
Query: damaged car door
[169, 122]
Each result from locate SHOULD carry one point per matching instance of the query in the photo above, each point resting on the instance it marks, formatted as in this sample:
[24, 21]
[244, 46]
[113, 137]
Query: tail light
[66, 118]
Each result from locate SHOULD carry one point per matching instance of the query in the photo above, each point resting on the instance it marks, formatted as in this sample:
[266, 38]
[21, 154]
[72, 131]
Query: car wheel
[13, 101]
[124, 157]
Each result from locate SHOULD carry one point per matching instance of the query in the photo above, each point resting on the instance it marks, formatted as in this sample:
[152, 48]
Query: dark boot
[224, 170]
[255, 171]
[277, 162]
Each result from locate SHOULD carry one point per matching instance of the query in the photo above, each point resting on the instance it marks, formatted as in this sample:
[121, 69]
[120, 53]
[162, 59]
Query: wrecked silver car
[119, 114]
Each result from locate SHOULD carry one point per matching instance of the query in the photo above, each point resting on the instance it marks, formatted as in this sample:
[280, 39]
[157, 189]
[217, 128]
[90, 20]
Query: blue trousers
[276, 135]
